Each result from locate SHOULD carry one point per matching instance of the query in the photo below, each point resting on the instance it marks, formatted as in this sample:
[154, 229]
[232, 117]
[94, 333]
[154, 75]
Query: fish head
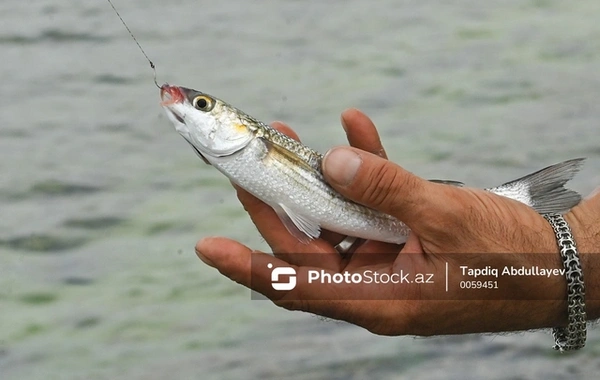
[210, 125]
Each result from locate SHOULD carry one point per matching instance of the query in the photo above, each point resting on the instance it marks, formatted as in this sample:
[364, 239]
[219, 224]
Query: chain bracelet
[571, 337]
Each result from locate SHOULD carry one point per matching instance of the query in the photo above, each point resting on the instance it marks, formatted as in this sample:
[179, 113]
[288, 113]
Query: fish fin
[544, 190]
[294, 158]
[447, 182]
[309, 156]
[303, 228]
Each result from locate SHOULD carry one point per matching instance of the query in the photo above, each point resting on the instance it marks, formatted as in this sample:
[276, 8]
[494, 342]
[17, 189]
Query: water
[102, 202]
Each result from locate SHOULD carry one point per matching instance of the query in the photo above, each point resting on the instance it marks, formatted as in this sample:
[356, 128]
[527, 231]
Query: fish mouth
[171, 95]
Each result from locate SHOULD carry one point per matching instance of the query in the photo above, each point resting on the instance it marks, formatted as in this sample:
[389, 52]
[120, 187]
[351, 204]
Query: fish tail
[545, 189]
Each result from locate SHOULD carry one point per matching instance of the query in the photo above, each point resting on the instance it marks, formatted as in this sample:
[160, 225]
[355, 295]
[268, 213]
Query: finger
[380, 184]
[413, 244]
[285, 129]
[253, 269]
[241, 264]
[361, 132]
[231, 258]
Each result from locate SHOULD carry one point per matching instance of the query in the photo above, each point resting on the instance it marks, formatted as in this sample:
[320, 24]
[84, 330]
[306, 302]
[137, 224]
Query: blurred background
[102, 202]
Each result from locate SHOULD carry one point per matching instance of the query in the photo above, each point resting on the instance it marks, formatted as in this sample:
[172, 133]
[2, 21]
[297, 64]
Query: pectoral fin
[286, 154]
[301, 227]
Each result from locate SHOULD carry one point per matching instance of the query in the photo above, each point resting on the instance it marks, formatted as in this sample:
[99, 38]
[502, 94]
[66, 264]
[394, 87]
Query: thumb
[380, 184]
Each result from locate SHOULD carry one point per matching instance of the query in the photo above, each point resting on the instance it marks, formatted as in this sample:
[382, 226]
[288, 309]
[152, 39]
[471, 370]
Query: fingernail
[344, 125]
[205, 259]
[341, 165]
[593, 193]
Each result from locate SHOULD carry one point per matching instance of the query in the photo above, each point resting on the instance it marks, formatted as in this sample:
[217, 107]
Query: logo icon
[282, 272]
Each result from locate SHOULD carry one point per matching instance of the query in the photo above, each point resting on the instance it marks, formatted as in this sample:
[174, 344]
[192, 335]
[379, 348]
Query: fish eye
[203, 103]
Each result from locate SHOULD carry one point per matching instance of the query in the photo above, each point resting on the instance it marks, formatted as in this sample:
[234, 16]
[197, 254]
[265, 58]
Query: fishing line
[136, 41]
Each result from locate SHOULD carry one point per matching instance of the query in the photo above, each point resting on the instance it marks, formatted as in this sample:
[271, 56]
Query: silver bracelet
[573, 336]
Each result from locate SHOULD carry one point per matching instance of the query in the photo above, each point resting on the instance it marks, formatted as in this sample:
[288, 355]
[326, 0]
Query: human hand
[445, 220]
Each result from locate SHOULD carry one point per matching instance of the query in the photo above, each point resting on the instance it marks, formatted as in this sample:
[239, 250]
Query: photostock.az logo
[282, 271]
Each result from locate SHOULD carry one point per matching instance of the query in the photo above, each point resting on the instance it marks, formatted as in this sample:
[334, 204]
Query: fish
[287, 175]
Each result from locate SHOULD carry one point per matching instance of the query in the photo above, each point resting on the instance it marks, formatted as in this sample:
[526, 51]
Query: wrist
[586, 230]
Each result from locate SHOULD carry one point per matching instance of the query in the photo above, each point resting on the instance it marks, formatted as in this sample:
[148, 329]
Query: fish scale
[286, 174]
[298, 188]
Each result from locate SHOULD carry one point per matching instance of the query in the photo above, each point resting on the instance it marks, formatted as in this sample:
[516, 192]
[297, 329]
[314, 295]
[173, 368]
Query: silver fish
[286, 174]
